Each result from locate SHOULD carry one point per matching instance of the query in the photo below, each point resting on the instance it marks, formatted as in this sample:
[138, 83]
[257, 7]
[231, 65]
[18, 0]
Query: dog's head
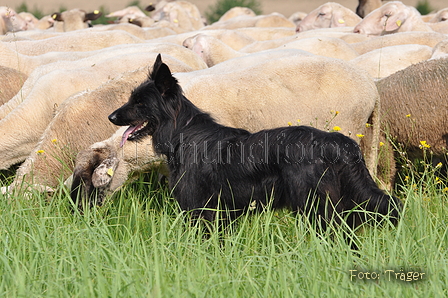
[150, 105]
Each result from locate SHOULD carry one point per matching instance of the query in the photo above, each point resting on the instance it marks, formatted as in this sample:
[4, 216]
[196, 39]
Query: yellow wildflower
[439, 165]
[408, 115]
[298, 121]
[381, 144]
[445, 189]
[336, 128]
[359, 135]
[40, 151]
[54, 141]
[289, 123]
[423, 145]
[368, 125]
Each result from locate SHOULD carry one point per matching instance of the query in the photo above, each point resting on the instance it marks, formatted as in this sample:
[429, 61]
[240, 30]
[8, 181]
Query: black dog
[213, 166]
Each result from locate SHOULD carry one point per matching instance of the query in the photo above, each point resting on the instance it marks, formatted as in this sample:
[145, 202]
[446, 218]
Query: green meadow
[139, 244]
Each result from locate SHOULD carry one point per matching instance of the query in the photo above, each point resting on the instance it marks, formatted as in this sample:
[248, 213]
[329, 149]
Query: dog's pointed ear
[156, 67]
[161, 75]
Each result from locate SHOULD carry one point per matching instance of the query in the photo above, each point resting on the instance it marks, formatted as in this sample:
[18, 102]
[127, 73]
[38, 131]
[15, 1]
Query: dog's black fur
[211, 165]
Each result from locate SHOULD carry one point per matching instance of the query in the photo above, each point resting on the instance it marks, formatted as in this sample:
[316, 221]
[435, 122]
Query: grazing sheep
[79, 40]
[11, 81]
[297, 17]
[271, 20]
[181, 16]
[130, 10]
[414, 108]
[440, 50]
[440, 16]
[367, 6]
[10, 21]
[385, 61]
[25, 118]
[79, 123]
[74, 19]
[422, 38]
[390, 18]
[328, 15]
[291, 87]
[236, 12]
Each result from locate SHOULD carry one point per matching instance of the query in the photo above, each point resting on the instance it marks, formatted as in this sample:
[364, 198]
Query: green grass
[140, 245]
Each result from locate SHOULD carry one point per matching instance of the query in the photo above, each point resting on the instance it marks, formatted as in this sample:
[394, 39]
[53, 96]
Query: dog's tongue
[128, 131]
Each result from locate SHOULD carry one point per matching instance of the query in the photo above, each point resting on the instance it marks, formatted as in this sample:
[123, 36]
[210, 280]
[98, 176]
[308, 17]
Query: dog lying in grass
[214, 167]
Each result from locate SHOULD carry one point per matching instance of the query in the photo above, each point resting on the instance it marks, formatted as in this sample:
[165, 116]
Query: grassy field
[139, 245]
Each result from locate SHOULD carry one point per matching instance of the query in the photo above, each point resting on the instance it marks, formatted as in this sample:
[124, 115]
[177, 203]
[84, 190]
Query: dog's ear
[155, 67]
[162, 77]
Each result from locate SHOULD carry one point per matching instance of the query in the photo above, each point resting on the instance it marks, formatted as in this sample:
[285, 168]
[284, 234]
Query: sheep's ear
[395, 21]
[91, 16]
[57, 16]
[337, 19]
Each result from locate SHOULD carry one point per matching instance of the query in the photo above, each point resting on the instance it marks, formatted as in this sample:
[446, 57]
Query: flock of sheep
[383, 69]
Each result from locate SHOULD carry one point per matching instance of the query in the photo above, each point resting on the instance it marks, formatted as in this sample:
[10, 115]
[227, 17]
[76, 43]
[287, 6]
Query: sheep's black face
[140, 113]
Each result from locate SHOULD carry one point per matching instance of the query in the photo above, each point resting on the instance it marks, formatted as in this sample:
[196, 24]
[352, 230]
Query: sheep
[79, 123]
[440, 16]
[271, 20]
[385, 61]
[297, 17]
[440, 50]
[79, 40]
[414, 105]
[328, 15]
[324, 46]
[74, 19]
[285, 91]
[181, 16]
[22, 125]
[236, 12]
[11, 81]
[422, 38]
[130, 10]
[390, 18]
[10, 21]
[89, 59]
[367, 6]
[210, 49]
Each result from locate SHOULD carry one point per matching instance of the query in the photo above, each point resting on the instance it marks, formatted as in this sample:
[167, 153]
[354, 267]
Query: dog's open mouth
[132, 132]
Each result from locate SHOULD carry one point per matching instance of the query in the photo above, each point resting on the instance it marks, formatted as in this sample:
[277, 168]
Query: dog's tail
[368, 199]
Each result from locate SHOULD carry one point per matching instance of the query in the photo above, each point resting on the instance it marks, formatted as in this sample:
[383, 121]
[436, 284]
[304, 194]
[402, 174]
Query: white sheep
[25, 118]
[328, 15]
[236, 12]
[383, 62]
[79, 123]
[422, 38]
[440, 16]
[390, 18]
[244, 21]
[73, 19]
[79, 40]
[10, 21]
[322, 92]
[11, 81]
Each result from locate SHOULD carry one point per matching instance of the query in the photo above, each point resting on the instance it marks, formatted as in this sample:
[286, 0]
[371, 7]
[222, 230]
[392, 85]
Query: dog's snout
[113, 118]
